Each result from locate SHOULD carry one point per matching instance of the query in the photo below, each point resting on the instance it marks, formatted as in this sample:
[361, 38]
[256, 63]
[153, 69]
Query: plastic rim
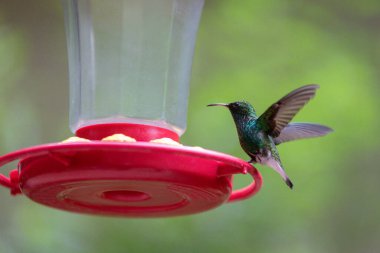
[130, 179]
[138, 131]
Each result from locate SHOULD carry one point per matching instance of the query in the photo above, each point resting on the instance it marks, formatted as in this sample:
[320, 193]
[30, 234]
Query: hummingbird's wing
[278, 115]
[295, 131]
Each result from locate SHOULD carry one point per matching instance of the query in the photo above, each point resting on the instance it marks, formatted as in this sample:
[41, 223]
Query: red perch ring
[139, 179]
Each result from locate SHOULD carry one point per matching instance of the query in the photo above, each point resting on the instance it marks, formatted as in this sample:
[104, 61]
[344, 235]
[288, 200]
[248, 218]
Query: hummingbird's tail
[277, 167]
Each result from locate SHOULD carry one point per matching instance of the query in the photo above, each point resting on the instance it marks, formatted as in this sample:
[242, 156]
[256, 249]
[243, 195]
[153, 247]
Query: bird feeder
[129, 66]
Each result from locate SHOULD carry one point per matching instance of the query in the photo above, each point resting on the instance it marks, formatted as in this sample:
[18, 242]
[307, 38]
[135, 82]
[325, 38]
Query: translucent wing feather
[295, 131]
[278, 115]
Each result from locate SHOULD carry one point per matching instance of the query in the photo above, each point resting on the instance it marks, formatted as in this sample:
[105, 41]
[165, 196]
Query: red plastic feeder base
[139, 179]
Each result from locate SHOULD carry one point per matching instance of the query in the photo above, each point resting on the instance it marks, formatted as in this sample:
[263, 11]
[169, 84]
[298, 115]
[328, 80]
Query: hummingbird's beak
[218, 104]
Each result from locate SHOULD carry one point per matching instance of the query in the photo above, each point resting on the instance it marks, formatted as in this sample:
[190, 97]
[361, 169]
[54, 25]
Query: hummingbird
[258, 136]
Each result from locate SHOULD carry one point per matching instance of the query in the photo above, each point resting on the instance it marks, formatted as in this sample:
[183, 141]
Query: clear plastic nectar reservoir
[130, 61]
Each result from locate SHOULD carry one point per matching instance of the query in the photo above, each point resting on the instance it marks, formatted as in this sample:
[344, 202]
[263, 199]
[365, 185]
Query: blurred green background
[252, 50]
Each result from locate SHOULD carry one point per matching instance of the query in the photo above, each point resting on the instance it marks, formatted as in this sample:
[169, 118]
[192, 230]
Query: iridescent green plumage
[259, 136]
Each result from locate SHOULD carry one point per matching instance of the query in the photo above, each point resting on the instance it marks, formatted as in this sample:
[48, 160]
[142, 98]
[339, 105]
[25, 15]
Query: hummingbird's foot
[253, 160]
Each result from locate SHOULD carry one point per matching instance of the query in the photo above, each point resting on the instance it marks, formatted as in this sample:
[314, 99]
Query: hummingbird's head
[240, 107]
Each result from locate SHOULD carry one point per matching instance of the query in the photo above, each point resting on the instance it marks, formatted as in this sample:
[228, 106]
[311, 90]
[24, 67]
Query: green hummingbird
[259, 136]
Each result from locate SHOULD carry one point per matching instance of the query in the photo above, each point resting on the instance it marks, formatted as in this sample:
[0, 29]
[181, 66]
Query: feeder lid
[138, 179]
